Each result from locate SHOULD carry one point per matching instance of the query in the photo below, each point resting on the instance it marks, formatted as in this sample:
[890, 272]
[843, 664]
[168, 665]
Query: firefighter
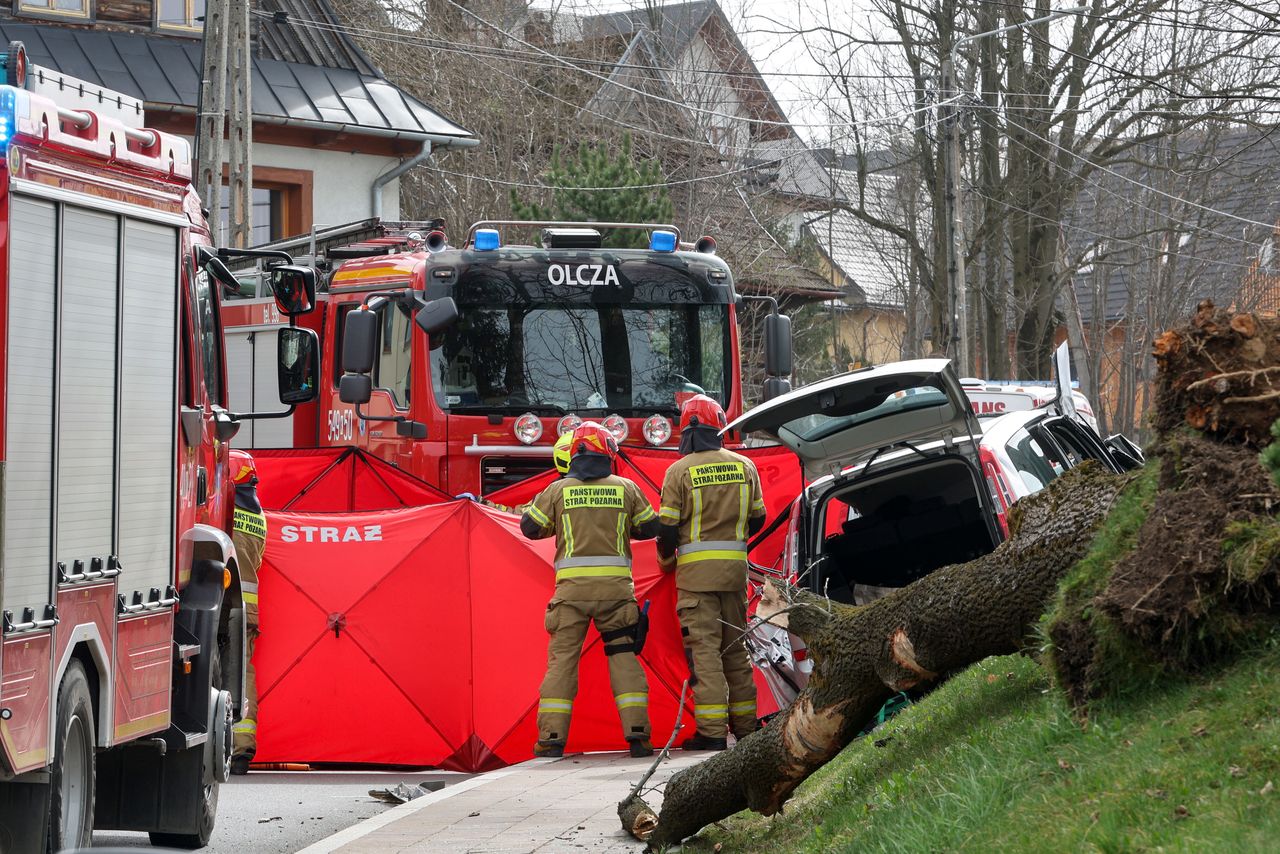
[250, 538]
[593, 514]
[559, 455]
[711, 504]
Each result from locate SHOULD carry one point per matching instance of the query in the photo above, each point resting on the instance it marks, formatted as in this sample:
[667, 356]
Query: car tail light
[568, 424]
[657, 430]
[617, 425]
[528, 428]
[1000, 494]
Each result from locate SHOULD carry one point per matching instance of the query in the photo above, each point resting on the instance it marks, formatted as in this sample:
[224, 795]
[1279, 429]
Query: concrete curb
[381, 820]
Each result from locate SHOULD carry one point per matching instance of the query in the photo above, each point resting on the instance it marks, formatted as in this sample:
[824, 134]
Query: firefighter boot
[699, 614]
[617, 624]
[244, 732]
[548, 750]
[567, 626]
[737, 666]
[639, 748]
[698, 741]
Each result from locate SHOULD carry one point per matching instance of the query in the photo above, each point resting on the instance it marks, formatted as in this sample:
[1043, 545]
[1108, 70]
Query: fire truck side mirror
[219, 272]
[355, 388]
[777, 345]
[776, 387]
[359, 337]
[437, 315]
[294, 287]
[298, 363]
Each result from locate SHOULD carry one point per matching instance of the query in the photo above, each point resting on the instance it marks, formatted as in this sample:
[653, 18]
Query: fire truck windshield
[561, 357]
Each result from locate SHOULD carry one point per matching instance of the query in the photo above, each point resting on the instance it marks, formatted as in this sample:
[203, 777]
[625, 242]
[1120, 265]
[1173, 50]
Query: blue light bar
[662, 241]
[487, 239]
[8, 110]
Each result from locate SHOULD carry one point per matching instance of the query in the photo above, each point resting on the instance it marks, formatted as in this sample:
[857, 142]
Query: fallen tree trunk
[863, 655]
[1189, 568]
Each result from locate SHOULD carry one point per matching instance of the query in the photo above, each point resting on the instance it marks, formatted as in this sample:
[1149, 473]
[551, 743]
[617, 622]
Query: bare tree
[1051, 107]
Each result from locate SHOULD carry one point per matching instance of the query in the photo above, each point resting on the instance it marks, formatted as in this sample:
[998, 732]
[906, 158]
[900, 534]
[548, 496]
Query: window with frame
[184, 16]
[280, 203]
[209, 330]
[393, 369]
[267, 213]
[81, 9]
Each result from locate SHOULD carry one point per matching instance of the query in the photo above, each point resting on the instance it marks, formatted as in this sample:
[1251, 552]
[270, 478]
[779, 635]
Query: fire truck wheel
[72, 774]
[191, 771]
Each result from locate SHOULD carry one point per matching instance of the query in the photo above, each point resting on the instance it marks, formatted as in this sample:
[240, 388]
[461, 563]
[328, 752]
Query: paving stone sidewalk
[544, 805]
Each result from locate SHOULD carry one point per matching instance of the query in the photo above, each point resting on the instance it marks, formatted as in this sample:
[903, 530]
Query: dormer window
[180, 16]
[76, 10]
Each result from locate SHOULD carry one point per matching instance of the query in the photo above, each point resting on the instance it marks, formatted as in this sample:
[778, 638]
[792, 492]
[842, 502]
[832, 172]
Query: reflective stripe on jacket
[709, 497]
[593, 522]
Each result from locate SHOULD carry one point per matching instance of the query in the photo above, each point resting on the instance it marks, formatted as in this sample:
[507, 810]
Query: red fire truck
[121, 663]
[523, 342]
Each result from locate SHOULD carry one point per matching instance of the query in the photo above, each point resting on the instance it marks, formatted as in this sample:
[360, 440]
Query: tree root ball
[1220, 374]
[863, 655]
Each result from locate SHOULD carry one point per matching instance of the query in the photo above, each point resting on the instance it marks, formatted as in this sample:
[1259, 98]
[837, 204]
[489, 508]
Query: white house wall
[711, 92]
[342, 180]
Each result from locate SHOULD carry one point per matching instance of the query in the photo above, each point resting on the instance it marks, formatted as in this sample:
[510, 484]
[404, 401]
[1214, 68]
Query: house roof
[164, 73]
[759, 266]
[657, 43]
[676, 23]
[871, 260]
[1215, 254]
[326, 44]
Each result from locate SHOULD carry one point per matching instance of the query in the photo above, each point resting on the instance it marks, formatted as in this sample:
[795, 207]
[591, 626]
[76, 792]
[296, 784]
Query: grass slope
[994, 760]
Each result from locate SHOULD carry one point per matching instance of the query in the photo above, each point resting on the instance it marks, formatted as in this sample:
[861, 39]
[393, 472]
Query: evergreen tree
[638, 201]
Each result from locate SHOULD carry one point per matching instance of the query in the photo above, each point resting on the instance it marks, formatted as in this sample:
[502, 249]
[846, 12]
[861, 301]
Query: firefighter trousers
[244, 732]
[567, 622]
[724, 690]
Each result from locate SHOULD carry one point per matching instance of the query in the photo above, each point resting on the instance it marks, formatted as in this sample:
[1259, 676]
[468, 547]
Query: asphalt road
[273, 812]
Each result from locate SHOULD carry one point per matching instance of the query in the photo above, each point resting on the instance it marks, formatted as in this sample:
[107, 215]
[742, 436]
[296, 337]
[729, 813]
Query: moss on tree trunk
[863, 655]
[1186, 567]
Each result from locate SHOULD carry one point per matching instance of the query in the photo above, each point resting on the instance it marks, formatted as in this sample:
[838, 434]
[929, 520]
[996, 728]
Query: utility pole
[958, 345]
[240, 132]
[212, 111]
[227, 64]
[955, 201]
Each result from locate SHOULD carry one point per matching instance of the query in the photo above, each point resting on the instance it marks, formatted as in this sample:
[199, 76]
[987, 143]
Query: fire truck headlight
[657, 430]
[528, 428]
[568, 424]
[617, 425]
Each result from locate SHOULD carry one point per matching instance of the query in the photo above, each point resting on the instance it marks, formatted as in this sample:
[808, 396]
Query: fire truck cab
[121, 661]
[463, 365]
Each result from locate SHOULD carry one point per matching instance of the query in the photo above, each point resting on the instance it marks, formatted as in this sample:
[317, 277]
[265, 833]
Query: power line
[1132, 202]
[1158, 192]
[1112, 238]
[563, 63]
[640, 92]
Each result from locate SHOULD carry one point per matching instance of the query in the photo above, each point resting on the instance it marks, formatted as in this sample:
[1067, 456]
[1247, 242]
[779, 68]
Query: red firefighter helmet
[702, 411]
[590, 436]
[242, 468]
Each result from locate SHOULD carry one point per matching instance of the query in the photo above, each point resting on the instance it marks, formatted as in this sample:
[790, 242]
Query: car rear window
[812, 428]
[1035, 467]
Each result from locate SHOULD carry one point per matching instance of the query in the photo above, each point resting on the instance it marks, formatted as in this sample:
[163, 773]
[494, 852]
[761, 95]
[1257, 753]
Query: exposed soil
[1220, 374]
[1205, 564]
[1176, 577]
[1185, 572]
